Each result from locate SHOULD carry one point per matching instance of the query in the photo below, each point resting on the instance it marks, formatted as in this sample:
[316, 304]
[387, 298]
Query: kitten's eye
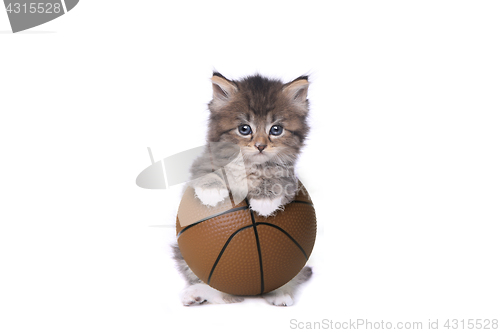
[245, 129]
[276, 130]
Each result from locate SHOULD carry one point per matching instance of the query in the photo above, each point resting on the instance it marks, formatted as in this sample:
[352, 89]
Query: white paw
[265, 207]
[211, 196]
[278, 298]
[202, 293]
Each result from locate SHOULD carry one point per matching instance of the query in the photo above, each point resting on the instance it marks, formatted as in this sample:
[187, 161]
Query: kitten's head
[265, 117]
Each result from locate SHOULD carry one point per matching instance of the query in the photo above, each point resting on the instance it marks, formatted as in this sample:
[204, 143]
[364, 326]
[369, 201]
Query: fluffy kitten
[266, 120]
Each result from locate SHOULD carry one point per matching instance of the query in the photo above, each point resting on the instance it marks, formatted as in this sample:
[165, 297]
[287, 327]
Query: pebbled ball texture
[237, 251]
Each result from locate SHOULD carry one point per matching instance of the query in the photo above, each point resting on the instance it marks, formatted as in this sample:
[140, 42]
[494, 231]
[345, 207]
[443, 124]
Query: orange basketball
[235, 250]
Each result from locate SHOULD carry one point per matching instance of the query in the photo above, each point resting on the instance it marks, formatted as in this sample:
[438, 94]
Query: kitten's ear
[222, 87]
[297, 89]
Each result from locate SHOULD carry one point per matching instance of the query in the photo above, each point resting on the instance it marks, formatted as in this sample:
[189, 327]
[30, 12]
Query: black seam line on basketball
[286, 233]
[260, 254]
[211, 217]
[304, 202]
[224, 249]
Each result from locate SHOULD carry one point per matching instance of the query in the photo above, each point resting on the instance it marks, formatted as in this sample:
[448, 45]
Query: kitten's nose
[260, 146]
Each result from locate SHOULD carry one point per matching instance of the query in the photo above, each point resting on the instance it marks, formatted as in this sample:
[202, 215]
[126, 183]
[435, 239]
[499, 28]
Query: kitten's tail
[304, 275]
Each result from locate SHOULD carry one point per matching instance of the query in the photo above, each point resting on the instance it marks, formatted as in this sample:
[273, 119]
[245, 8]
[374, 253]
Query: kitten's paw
[278, 298]
[188, 300]
[211, 196]
[265, 207]
[199, 293]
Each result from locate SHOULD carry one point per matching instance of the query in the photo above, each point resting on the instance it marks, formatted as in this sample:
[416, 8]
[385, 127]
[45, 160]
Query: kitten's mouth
[257, 156]
[261, 156]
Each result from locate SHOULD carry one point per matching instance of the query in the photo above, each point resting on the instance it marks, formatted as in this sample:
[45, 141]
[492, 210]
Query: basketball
[237, 251]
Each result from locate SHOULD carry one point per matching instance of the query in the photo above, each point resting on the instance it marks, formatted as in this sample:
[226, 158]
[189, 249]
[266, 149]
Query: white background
[402, 162]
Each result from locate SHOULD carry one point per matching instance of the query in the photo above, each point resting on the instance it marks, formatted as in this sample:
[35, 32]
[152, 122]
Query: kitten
[266, 120]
